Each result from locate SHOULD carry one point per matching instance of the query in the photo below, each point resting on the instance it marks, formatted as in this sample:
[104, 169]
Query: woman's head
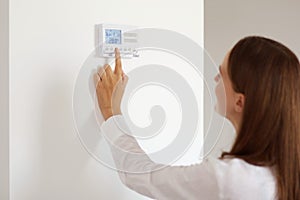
[230, 102]
[264, 101]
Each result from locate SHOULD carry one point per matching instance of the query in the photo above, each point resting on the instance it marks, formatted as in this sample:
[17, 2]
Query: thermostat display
[109, 37]
[113, 36]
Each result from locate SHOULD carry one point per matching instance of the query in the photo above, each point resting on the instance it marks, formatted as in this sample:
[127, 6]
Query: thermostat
[109, 37]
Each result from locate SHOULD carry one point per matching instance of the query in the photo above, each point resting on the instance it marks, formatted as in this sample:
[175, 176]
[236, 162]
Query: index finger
[118, 67]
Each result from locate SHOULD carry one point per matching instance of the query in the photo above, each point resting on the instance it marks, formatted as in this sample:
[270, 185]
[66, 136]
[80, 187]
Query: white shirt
[232, 179]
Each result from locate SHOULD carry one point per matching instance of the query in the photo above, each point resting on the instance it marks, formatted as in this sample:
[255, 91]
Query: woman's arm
[138, 172]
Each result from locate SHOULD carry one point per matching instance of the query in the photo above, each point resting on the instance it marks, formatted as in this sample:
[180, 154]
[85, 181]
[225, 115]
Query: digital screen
[113, 36]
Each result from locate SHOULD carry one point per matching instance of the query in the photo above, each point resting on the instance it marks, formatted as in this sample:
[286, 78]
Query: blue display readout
[113, 36]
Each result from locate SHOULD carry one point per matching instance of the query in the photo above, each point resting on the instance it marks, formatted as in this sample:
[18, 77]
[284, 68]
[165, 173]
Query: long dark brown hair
[268, 74]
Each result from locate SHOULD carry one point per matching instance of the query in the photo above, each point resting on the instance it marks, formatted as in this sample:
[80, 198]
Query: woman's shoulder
[237, 178]
[232, 168]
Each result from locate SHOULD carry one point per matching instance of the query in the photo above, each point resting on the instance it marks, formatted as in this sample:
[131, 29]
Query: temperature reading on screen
[113, 36]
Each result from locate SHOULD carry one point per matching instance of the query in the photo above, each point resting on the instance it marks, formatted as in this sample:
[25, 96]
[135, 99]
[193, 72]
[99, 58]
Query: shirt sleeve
[157, 181]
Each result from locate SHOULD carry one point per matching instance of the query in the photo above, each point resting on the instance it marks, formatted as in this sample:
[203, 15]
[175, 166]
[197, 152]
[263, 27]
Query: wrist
[109, 113]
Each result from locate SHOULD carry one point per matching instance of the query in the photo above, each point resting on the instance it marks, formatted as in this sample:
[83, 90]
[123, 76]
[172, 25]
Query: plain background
[4, 111]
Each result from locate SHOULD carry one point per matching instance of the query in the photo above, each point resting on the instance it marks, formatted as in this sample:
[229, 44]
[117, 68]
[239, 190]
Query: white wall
[4, 101]
[49, 42]
[228, 21]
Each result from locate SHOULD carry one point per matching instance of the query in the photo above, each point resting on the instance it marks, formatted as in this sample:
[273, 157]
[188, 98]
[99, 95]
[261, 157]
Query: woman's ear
[239, 102]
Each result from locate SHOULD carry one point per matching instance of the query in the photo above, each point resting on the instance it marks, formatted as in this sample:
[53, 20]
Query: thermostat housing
[110, 36]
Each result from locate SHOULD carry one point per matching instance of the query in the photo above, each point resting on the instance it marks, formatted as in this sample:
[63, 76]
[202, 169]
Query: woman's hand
[110, 86]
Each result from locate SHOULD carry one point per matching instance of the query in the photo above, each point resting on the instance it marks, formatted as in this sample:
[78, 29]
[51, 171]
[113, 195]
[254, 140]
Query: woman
[262, 85]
